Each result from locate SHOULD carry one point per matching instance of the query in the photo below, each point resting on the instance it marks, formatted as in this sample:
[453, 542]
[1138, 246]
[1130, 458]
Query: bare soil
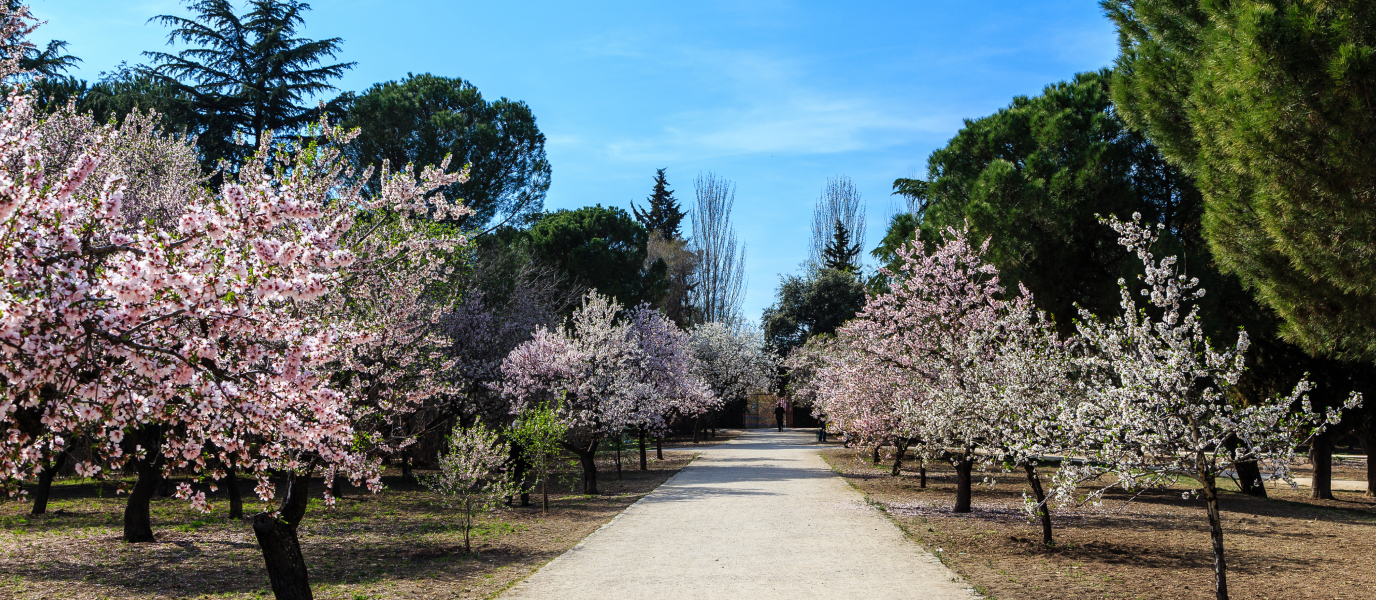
[1155, 547]
[400, 543]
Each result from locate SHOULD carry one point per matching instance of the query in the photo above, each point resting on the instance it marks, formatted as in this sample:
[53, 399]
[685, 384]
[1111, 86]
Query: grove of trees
[207, 280]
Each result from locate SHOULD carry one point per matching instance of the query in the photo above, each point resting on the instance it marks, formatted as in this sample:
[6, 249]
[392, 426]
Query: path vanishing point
[758, 517]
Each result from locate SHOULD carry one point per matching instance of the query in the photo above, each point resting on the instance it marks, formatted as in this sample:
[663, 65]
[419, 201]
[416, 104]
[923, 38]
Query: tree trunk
[1367, 436]
[642, 449]
[236, 499]
[587, 457]
[138, 526]
[281, 548]
[659, 448]
[406, 468]
[1248, 473]
[1216, 533]
[1043, 509]
[620, 441]
[875, 459]
[900, 449]
[695, 430]
[1321, 456]
[964, 467]
[922, 475]
[544, 483]
[1249, 477]
[337, 486]
[45, 484]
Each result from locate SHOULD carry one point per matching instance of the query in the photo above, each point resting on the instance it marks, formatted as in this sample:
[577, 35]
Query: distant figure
[822, 429]
[779, 415]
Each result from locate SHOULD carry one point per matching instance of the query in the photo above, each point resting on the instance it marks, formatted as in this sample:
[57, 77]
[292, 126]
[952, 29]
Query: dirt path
[759, 517]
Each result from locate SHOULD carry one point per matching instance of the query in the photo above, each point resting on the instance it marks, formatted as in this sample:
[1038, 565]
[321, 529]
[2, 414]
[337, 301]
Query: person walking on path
[779, 415]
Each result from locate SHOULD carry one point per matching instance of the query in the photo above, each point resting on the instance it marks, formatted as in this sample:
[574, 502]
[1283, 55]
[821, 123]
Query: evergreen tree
[840, 254]
[662, 213]
[1268, 104]
[49, 62]
[247, 74]
[423, 118]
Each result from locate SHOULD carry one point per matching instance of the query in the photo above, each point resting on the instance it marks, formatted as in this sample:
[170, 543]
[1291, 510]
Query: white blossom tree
[1155, 403]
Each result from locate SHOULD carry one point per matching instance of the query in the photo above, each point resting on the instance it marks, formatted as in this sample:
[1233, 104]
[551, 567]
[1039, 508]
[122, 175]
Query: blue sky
[774, 95]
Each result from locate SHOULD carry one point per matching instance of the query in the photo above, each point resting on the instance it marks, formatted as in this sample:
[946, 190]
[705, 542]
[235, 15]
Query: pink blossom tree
[936, 327]
[608, 369]
[210, 335]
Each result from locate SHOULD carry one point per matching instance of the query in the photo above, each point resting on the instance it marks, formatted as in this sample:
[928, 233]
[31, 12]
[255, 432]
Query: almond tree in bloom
[207, 333]
[937, 332]
[857, 393]
[608, 369]
[475, 474]
[1155, 396]
[733, 361]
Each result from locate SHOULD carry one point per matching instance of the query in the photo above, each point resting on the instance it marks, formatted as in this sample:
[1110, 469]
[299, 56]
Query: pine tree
[663, 213]
[248, 73]
[840, 254]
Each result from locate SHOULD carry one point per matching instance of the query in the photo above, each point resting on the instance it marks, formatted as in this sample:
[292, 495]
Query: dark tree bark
[1248, 473]
[659, 448]
[900, 448]
[875, 459]
[406, 468]
[1216, 534]
[280, 545]
[1043, 510]
[1321, 456]
[1249, 477]
[587, 457]
[620, 441]
[337, 486]
[642, 449]
[45, 484]
[1367, 436]
[964, 467]
[922, 475]
[138, 525]
[695, 430]
[236, 499]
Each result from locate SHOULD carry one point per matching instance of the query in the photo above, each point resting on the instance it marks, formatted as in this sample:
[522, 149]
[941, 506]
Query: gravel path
[758, 517]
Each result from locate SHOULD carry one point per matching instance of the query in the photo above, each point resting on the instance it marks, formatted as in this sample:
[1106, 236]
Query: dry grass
[1157, 547]
[401, 543]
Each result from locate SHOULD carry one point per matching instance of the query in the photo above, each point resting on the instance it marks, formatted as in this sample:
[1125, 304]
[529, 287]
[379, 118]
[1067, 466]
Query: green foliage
[538, 431]
[840, 254]
[1032, 178]
[424, 118]
[662, 213]
[245, 73]
[811, 305]
[902, 229]
[603, 249]
[1268, 103]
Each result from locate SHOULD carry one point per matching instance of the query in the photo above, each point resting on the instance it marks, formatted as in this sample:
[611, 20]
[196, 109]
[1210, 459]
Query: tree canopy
[247, 72]
[809, 305]
[1267, 103]
[422, 118]
[1032, 178]
[602, 249]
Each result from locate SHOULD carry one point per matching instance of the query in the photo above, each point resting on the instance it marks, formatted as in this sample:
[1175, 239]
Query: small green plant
[538, 431]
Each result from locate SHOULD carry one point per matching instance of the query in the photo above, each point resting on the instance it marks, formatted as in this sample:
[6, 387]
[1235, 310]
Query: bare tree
[720, 286]
[840, 203]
